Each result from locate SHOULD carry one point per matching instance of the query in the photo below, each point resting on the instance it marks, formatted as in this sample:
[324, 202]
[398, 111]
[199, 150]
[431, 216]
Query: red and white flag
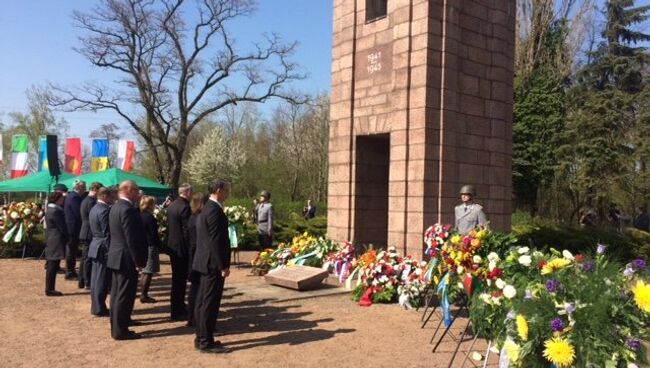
[125, 153]
[19, 148]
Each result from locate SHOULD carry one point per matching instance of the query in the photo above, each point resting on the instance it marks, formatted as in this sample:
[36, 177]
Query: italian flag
[19, 148]
[125, 153]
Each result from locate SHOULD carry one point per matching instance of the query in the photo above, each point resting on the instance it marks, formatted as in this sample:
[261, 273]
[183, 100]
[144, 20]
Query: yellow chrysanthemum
[522, 327]
[481, 234]
[555, 265]
[455, 239]
[512, 350]
[559, 351]
[642, 295]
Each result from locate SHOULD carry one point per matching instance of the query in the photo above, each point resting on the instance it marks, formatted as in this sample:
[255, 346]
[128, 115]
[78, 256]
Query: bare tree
[175, 70]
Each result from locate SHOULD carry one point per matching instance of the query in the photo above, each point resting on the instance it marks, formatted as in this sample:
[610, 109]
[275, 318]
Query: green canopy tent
[37, 182]
[115, 176]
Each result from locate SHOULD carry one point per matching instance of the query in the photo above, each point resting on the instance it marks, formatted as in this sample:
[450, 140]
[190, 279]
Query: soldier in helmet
[469, 214]
[264, 215]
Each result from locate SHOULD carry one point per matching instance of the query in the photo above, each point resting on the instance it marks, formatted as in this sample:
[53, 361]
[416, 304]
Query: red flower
[497, 293]
[495, 273]
[541, 264]
[579, 258]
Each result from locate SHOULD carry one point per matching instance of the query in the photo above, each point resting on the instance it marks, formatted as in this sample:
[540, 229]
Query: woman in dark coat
[147, 204]
[56, 238]
[196, 204]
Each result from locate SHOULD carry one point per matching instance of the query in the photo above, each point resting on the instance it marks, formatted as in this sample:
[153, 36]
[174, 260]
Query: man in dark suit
[309, 211]
[127, 255]
[72, 209]
[212, 261]
[98, 251]
[178, 239]
[85, 236]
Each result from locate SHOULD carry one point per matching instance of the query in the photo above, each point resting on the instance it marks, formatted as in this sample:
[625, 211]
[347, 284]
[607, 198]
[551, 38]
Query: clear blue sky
[37, 37]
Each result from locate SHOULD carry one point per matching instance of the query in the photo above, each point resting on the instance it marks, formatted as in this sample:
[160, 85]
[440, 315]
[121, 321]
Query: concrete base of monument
[297, 277]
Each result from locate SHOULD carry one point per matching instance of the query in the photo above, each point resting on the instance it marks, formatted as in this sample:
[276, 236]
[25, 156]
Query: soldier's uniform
[469, 216]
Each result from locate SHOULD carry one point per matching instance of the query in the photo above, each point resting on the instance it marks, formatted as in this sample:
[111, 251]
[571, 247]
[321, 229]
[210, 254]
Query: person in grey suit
[127, 255]
[98, 251]
[469, 215]
[264, 215]
[85, 236]
[56, 235]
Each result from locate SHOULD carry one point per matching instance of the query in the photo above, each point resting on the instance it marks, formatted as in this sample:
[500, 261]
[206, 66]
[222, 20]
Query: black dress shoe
[180, 317]
[71, 276]
[129, 336]
[189, 324]
[53, 293]
[135, 323]
[81, 284]
[102, 314]
[215, 349]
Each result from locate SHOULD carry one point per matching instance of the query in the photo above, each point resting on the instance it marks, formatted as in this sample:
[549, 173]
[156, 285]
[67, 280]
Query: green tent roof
[115, 176]
[37, 182]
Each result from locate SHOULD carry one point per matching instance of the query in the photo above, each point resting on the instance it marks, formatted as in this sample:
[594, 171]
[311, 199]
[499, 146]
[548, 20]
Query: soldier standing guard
[469, 214]
[264, 215]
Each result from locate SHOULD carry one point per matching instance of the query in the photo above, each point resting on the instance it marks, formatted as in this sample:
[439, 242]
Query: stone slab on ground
[297, 277]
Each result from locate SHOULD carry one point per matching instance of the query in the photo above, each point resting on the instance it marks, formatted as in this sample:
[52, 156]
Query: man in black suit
[98, 251]
[72, 209]
[178, 239]
[127, 255]
[309, 211]
[85, 236]
[212, 261]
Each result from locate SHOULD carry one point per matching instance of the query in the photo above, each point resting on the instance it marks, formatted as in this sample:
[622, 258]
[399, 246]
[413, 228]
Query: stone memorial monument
[421, 104]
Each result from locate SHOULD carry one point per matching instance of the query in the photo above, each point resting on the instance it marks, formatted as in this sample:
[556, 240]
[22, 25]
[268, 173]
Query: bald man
[127, 255]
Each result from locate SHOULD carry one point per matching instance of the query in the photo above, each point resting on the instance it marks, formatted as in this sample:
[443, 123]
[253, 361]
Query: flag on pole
[73, 156]
[125, 153]
[99, 161]
[42, 153]
[19, 148]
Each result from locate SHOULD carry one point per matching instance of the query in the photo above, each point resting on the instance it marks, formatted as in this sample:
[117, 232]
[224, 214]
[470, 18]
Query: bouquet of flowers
[160, 213]
[379, 279]
[341, 262]
[237, 215]
[262, 263]
[303, 250]
[564, 310]
[19, 220]
[413, 285]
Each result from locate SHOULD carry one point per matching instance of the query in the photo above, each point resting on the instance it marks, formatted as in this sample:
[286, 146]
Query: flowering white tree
[216, 156]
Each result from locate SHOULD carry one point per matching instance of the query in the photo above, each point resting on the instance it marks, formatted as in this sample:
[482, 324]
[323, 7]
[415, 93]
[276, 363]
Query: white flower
[493, 257]
[460, 269]
[156, 211]
[500, 283]
[485, 297]
[492, 265]
[27, 211]
[477, 259]
[522, 250]
[632, 365]
[537, 254]
[14, 215]
[488, 282]
[509, 291]
[525, 260]
[567, 255]
[460, 285]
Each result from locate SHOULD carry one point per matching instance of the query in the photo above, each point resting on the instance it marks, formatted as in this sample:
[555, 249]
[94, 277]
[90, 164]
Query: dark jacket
[642, 222]
[56, 233]
[191, 225]
[72, 207]
[178, 216]
[98, 225]
[86, 205]
[309, 212]
[212, 241]
[150, 229]
[128, 244]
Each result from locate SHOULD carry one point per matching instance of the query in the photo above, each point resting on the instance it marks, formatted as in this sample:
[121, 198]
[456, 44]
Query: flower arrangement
[380, 277]
[237, 215]
[304, 250]
[563, 310]
[160, 214]
[19, 220]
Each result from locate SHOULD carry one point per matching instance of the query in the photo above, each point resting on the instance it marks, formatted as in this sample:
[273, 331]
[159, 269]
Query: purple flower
[552, 285]
[511, 315]
[529, 294]
[569, 308]
[588, 266]
[628, 272]
[601, 248]
[639, 264]
[557, 324]
[633, 344]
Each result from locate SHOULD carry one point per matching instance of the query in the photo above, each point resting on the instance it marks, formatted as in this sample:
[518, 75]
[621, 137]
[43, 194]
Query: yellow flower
[522, 327]
[455, 239]
[481, 234]
[559, 352]
[555, 265]
[642, 295]
[475, 242]
[512, 350]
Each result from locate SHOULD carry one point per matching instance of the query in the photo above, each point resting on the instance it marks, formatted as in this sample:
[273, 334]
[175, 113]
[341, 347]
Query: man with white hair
[178, 216]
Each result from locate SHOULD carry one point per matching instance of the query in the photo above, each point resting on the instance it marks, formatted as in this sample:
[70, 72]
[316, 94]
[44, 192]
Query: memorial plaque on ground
[297, 277]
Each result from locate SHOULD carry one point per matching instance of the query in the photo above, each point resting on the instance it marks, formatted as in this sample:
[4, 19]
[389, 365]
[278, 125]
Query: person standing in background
[72, 210]
[100, 279]
[264, 214]
[85, 235]
[178, 215]
[469, 215]
[56, 238]
[309, 211]
[196, 204]
[147, 204]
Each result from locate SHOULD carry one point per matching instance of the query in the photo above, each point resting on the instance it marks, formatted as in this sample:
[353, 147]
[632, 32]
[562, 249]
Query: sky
[37, 38]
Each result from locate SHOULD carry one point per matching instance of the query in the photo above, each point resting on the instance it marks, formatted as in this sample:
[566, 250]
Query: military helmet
[468, 189]
[266, 194]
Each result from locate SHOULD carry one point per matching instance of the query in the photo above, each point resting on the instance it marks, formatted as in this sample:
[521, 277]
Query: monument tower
[421, 104]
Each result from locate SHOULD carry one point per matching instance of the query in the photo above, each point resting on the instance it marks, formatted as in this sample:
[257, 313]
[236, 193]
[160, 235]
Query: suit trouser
[208, 302]
[179, 285]
[124, 285]
[195, 279]
[100, 281]
[85, 265]
[71, 250]
[50, 274]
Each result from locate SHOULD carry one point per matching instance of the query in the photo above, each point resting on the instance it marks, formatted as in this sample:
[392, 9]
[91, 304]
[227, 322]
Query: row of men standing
[119, 245]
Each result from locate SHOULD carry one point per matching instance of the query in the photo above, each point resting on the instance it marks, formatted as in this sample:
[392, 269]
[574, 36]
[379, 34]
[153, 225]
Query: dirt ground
[262, 331]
